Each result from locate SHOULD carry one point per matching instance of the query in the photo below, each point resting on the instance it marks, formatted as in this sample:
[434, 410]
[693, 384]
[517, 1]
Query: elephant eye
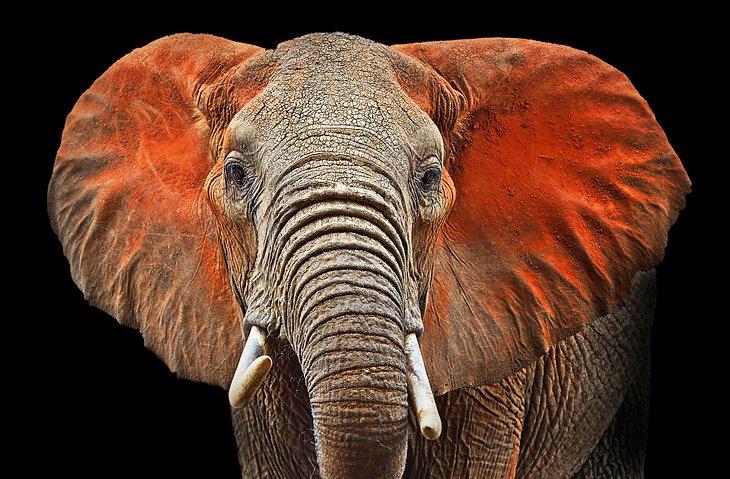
[236, 174]
[431, 178]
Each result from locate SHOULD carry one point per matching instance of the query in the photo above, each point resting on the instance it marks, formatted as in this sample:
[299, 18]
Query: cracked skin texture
[564, 187]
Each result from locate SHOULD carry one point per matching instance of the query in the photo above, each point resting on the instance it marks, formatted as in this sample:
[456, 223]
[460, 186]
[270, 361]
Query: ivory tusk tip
[264, 363]
[265, 359]
[245, 386]
[430, 423]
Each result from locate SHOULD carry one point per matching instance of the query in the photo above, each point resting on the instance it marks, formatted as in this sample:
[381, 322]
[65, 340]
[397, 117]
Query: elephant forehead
[284, 111]
[330, 93]
[313, 58]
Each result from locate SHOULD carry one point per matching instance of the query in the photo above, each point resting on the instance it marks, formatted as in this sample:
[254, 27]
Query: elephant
[422, 260]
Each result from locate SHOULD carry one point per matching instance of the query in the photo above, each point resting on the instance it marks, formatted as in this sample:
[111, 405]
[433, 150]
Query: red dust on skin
[136, 152]
[565, 187]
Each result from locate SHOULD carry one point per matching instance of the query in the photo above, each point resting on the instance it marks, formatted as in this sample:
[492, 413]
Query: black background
[102, 405]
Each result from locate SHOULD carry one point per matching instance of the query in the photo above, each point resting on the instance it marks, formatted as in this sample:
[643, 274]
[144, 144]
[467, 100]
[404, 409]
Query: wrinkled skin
[340, 195]
[336, 167]
[580, 411]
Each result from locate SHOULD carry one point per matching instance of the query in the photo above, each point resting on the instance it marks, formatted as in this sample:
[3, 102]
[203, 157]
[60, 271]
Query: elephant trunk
[350, 341]
[355, 371]
[337, 258]
[343, 263]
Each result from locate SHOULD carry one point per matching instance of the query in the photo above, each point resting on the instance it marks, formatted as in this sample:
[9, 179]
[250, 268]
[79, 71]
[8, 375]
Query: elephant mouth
[255, 364]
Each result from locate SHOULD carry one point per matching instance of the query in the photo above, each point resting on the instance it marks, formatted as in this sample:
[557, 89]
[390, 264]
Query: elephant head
[440, 212]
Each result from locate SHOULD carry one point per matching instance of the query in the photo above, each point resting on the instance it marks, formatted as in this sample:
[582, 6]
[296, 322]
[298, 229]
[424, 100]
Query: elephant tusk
[420, 392]
[252, 369]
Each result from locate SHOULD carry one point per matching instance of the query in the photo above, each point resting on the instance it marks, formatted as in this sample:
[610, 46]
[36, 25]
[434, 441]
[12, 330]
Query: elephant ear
[128, 202]
[565, 186]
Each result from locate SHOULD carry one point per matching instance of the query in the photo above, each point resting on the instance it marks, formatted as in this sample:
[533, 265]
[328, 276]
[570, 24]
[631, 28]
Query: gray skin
[333, 151]
[332, 154]
[580, 411]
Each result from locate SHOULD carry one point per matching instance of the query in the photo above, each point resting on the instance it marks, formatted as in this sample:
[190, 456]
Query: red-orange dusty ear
[127, 200]
[566, 186]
